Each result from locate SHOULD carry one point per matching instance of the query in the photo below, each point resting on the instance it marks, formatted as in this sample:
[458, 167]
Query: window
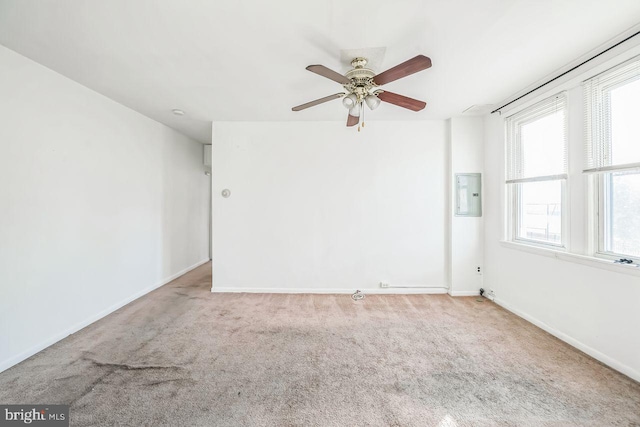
[536, 172]
[612, 146]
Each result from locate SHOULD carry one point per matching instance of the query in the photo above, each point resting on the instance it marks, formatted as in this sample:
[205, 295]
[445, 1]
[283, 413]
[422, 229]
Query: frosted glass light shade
[372, 101]
[349, 101]
[355, 110]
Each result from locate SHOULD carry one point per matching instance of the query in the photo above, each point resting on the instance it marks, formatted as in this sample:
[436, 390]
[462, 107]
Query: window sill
[576, 258]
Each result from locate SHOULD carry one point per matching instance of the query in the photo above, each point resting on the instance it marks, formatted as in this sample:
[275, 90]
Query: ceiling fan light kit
[349, 101]
[362, 85]
[372, 101]
[355, 110]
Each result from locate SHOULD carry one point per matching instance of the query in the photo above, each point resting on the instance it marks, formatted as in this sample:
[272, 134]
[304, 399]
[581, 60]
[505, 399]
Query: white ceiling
[243, 60]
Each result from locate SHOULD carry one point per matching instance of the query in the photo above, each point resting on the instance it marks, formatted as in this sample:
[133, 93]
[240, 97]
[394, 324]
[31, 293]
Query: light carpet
[182, 356]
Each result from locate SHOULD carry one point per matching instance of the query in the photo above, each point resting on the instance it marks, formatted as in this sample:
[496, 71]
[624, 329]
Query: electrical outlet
[479, 270]
[491, 294]
[384, 285]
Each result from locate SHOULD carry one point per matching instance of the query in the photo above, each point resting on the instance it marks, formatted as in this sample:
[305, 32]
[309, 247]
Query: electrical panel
[468, 194]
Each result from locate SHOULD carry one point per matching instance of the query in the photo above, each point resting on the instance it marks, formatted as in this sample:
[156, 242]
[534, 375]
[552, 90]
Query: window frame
[597, 101]
[513, 189]
[602, 195]
[517, 214]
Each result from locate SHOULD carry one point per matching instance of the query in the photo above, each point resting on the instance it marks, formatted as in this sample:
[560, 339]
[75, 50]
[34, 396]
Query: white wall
[98, 205]
[317, 207]
[594, 309]
[466, 155]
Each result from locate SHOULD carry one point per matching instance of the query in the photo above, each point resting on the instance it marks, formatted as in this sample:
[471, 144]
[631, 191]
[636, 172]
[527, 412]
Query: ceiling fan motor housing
[361, 75]
[361, 79]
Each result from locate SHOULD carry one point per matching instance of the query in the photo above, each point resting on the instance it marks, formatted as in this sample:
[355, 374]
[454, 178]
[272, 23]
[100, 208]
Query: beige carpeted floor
[182, 356]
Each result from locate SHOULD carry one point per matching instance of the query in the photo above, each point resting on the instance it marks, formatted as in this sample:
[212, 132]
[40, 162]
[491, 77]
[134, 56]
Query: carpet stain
[128, 366]
[182, 381]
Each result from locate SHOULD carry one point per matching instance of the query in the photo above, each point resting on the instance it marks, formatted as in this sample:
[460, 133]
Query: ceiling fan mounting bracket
[359, 62]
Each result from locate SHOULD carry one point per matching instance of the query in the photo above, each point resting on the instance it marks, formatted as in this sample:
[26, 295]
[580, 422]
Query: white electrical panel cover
[468, 196]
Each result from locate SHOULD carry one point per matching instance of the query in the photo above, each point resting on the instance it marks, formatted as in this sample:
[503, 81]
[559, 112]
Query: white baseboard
[464, 293]
[6, 364]
[234, 289]
[631, 373]
[178, 274]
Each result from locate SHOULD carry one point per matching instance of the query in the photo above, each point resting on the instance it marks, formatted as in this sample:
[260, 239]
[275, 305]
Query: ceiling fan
[361, 85]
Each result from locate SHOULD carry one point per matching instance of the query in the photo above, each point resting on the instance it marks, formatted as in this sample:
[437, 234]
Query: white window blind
[612, 125]
[537, 142]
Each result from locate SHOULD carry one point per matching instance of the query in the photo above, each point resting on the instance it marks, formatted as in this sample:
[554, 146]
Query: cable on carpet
[357, 295]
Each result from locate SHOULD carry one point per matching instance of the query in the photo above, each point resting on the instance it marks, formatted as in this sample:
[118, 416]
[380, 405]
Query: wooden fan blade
[352, 120]
[402, 101]
[405, 69]
[328, 73]
[317, 101]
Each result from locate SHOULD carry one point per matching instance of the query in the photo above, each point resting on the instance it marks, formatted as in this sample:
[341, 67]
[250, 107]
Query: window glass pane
[622, 213]
[540, 208]
[625, 123]
[542, 144]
